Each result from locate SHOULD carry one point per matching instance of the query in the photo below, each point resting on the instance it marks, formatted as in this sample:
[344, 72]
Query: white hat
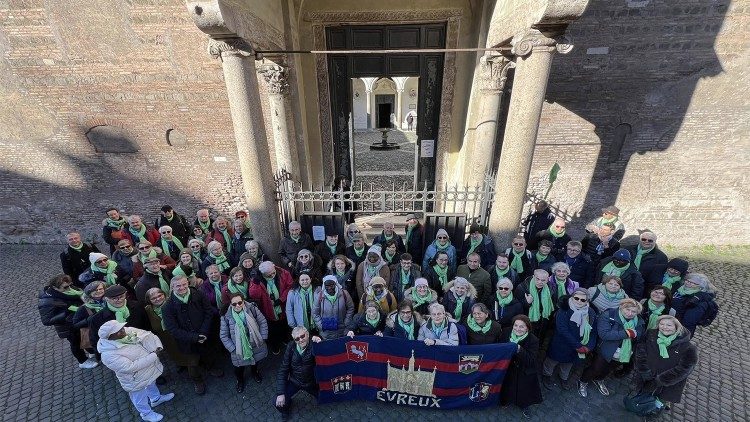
[95, 256]
[421, 282]
[110, 327]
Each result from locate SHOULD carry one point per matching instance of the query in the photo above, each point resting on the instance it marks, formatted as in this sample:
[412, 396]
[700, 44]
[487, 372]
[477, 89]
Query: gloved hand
[631, 332]
[582, 349]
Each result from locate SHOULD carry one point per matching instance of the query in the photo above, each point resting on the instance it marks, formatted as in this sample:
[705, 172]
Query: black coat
[526, 259]
[415, 247]
[395, 285]
[656, 277]
[670, 374]
[434, 280]
[238, 246]
[53, 310]
[691, 308]
[296, 369]
[590, 243]
[521, 383]
[357, 259]
[536, 222]
[325, 254]
[185, 321]
[511, 275]
[649, 261]
[180, 227]
[492, 336]
[149, 281]
[136, 319]
[486, 251]
[380, 240]
[545, 265]
[361, 327]
[559, 244]
[581, 270]
[632, 281]
[74, 262]
[504, 315]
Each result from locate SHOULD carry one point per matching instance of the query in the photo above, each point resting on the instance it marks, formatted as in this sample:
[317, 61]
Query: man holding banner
[296, 371]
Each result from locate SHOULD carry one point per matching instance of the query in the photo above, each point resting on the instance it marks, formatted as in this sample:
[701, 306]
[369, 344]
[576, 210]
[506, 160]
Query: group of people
[193, 292]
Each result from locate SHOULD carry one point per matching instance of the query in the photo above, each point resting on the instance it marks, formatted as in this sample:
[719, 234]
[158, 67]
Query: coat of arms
[469, 363]
[480, 391]
[356, 351]
[342, 384]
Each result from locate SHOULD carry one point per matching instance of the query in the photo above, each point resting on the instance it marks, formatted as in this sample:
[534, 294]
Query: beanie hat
[95, 256]
[622, 255]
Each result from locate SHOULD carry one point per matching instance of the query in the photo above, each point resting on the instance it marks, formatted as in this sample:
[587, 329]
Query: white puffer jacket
[136, 365]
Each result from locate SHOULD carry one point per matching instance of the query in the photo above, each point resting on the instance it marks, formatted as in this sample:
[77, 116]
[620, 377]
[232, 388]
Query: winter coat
[288, 248]
[152, 235]
[668, 374]
[170, 344]
[164, 259]
[258, 293]
[361, 327]
[566, 338]
[581, 270]
[611, 333]
[238, 246]
[124, 263]
[257, 333]
[348, 280]
[386, 304]
[414, 246]
[423, 308]
[511, 275]
[450, 301]
[504, 315]
[433, 280]
[393, 329]
[691, 309]
[294, 308]
[149, 281]
[448, 337]
[480, 279]
[559, 244]
[545, 265]
[632, 281]
[74, 263]
[136, 365]
[521, 383]
[395, 285]
[179, 225]
[217, 235]
[570, 287]
[53, 310]
[112, 236]
[536, 222]
[315, 269]
[646, 313]
[171, 249]
[383, 271]
[656, 277]
[325, 312]
[324, 252]
[381, 240]
[297, 369]
[352, 255]
[137, 319]
[523, 289]
[526, 259]
[208, 291]
[186, 321]
[210, 260]
[486, 251]
[432, 250]
[649, 261]
[589, 246]
[492, 335]
[600, 302]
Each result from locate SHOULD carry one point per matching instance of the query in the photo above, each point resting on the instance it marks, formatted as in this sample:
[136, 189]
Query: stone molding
[495, 71]
[222, 19]
[275, 76]
[532, 41]
[382, 16]
[229, 46]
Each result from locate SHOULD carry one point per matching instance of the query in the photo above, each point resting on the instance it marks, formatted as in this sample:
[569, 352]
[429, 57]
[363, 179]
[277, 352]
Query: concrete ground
[40, 380]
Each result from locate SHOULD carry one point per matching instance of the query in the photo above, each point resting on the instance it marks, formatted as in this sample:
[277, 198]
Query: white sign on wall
[427, 149]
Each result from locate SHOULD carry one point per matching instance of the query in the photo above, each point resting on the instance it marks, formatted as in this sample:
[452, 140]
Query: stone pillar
[276, 77]
[494, 68]
[400, 84]
[238, 64]
[533, 53]
[369, 84]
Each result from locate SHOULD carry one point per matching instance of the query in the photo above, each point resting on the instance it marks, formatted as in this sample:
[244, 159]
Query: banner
[410, 373]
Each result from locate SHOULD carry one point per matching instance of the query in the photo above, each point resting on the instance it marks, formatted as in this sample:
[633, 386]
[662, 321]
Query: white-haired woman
[439, 329]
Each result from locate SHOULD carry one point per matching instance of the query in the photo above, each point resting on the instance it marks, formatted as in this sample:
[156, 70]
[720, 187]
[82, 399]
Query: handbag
[643, 403]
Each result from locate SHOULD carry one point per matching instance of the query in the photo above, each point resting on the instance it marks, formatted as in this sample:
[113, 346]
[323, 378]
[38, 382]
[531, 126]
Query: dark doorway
[385, 104]
[427, 66]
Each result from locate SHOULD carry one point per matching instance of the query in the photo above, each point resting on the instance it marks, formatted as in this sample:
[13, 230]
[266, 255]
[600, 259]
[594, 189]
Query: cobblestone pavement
[41, 382]
[383, 168]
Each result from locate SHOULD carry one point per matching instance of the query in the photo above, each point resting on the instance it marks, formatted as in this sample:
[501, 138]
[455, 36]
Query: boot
[256, 374]
[547, 382]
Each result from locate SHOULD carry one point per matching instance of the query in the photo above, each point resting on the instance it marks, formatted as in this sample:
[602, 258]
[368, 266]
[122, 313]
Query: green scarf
[372, 270]
[197, 255]
[72, 291]
[386, 237]
[474, 326]
[121, 314]
[669, 281]
[437, 330]
[359, 252]
[586, 336]
[561, 290]
[151, 254]
[217, 292]
[295, 239]
[664, 342]
[332, 248]
[409, 230]
[331, 298]
[540, 257]
[159, 312]
[300, 350]
[77, 248]
[389, 257]
[516, 339]
[205, 226]
[639, 254]
[517, 263]
[444, 247]
[220, 261]
[163, 285]
[273, 293]
[442, 274]
[546, 304]
[227, 240]
[130, 338]
[175, 240]
[503, 301]
[110, 278]
[241, 327]
[141, 234]
[233, 287]
[306, 293]
[501, 274]
[419, 300]
[554, 233]
[116, 224]
[409, 328]
[654, 314]
[602, 221]
[612, 269]
[684, 291]
[474, 244]
[459, 307]
[404, 277]
[373, 322]
[183, 299]
[626, 347]
[94, 306]
[611, 296]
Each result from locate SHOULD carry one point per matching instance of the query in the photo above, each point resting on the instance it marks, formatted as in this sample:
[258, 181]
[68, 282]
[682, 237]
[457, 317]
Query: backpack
[643, 404]
[710, 314]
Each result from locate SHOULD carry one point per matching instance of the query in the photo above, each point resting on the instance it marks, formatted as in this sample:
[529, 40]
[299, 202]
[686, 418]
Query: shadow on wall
[634, 80]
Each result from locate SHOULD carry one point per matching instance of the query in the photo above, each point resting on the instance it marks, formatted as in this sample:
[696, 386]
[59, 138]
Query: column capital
[535, 41]
[275, 76]
[495, 68]
[229, 46]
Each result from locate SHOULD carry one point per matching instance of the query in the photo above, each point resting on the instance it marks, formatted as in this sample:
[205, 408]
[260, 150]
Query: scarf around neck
[664, 342]
[373, 322]
[611, 296]
[517, 339]
[554, 233]
[442, 274]
[540, 308]
[517, 262]
[184, 299]
[504, 301]
[626, 347]
[227, 239]
[474, 243]
[409, 328]
[220, 261]
[121, 314]
[140, 234]
[654, 313]
[669, 281]
[110, 276]
[419, 300]
[116, 224]
[163, 285]
[216, 285]
[241, 326]
[474, 325]
[639, 255]
[612, 269]
[175, 241]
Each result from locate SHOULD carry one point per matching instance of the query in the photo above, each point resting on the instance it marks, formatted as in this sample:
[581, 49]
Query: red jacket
[258, 293]
[217, 236]
[152, 235]
[164, 259]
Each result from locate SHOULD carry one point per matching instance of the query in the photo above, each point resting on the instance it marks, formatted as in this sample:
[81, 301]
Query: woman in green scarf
[617, 330]
[216, 256]
[244, 331]
[658, 303]
[664, 360]
[93, 302]
[156, 299]
[58, 302]
[441, 243]
[439, 273]
[404, 322]
[694, 301]
[521, 383]
[421, 295]
[506, 304]
[458, 299]
[370, 322]
[390, 252]
[480, 328]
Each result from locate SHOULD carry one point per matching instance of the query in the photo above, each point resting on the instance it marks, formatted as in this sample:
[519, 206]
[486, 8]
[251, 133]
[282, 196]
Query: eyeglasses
[237, 303]
[144, 248]
[503, 288]
[643, 239]
[101, 261]
[126, 247]
[405, 312]
[442, 237]
[165, 232]
[354, 231]
[300, 337]
[518, 244]
[195, 246]
[580, 299]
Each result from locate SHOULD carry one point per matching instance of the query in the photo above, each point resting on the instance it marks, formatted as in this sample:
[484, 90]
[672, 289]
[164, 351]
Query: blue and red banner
[410, 373]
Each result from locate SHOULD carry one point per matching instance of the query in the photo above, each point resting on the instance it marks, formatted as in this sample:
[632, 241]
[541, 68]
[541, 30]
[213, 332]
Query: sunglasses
[579, 299]
[195, 246]
[126, 247]
[518, 244]
[144, 248]
[237, 303]
[165, 232]
[300, 337]
[503, 288]
[647, 240]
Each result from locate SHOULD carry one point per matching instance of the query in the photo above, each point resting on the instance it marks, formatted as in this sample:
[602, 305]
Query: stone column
[369, 83]
[276, 77]
[400, 84]
[494, 68]
[238, 64]
[533, 53]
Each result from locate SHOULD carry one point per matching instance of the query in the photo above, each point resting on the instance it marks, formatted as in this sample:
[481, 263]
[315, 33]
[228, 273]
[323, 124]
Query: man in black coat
[189, 318]
[537, 221]
[297, 371]
[387, 234]
[180, 227]
[601, 244]
[75, 258]
[118, 305]
[403, 275]
[646, 255]
[414, 238]
[290, 245]
[581, 269]
[357, 251]
[242, 234]
[555, 233]
[632, 281]
[484, 246]
[330, 247]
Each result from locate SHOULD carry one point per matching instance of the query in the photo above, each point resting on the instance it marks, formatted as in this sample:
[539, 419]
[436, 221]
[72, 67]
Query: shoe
[547, 382]
[240, 387]
[602, 388]
[583, 389]
[88, 364]
[526, 413]
[256, 375]
[216, 372]
[200, 388]
[163, 399]
[160, 380]
[153, 417]
[566, 384]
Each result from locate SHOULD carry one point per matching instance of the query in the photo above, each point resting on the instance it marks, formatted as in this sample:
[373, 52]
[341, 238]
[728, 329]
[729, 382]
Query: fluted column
[275, 77]
[238, 64]
[369, 83]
